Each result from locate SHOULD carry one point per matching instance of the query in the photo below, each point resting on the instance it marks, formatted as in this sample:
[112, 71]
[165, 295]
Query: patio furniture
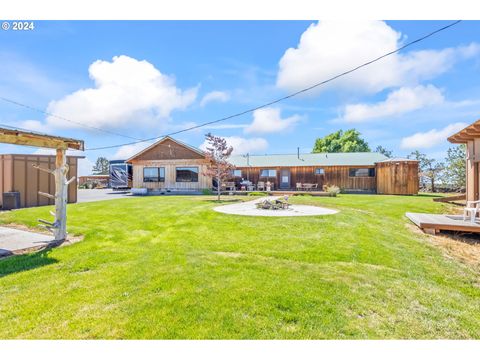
[251, 187]
[230, 185]
[298, 186]
[261, 186]
[472, 208]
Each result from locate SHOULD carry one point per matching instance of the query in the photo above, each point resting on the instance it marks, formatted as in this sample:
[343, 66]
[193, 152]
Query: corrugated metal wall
[18, 174]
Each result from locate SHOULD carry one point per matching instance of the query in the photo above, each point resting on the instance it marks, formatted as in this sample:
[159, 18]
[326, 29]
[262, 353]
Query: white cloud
[398, 102]
[127, 91]
[423, 140]
[127, 151]
[269, 120]
[220, 96]
[242, 145]
[328, 48]
[84, 165]
[33, 125]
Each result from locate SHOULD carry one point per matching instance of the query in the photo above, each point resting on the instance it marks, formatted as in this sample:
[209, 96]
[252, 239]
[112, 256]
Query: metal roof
[394, 159]
[318, 159]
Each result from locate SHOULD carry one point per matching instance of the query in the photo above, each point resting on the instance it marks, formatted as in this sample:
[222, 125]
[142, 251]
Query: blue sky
[147, 78]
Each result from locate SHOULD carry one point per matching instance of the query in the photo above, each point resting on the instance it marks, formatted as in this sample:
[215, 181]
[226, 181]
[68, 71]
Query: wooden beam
[18, 137]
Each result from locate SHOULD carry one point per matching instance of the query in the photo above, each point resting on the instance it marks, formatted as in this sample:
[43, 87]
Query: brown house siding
[333, 175]
[397, 178]
[18, 174]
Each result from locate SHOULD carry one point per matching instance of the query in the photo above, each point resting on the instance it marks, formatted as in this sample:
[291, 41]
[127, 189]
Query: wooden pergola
[470, 133]
[470, 136]
[61, 145]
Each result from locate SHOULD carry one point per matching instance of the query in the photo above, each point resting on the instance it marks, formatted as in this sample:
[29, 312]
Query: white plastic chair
[472, 208]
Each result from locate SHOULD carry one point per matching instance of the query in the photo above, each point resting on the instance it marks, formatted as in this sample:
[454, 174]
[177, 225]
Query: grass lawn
[170, 267]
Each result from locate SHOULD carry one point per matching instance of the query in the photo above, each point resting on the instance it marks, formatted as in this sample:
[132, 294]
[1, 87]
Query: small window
[268, 173]
[187, 174]
[319, 171]
[237, 173]
[361, 172]
[153, 174]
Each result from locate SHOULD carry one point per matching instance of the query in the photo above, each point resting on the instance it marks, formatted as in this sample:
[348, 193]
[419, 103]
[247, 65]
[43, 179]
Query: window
[268, 173]
[153, 174]
[187, 174]
[361, 172]
[237, 173]
[319, 171]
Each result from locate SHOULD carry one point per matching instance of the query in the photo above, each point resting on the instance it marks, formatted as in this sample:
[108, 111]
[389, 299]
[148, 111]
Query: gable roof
[317, 159]
[194, 149]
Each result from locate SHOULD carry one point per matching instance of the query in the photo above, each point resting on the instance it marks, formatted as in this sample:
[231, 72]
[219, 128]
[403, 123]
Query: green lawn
[171, 267]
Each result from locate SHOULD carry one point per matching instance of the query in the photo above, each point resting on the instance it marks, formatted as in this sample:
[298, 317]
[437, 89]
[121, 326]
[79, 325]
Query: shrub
[207, 192]
[333, 190]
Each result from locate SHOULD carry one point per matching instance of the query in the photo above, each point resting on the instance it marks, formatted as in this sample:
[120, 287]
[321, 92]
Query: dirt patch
[465, 247]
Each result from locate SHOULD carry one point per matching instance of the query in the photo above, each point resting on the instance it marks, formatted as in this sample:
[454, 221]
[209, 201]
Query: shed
[397, 176]
[18, 174]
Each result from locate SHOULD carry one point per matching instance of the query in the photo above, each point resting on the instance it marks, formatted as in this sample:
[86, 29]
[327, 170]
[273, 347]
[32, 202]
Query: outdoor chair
[261, 186]
[472, 208]
[298, 186]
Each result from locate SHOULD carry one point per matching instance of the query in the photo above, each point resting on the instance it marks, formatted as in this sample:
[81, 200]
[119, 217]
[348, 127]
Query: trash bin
[11, 200]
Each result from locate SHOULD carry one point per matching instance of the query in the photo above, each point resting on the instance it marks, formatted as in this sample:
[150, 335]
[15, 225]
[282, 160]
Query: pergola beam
[469, 133]
[20, 137]
[61, 145]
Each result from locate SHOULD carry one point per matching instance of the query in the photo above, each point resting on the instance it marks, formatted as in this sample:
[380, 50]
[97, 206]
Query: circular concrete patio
[249, 208]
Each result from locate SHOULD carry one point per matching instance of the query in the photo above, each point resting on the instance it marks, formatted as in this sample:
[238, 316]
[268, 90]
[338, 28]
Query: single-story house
[173, 165]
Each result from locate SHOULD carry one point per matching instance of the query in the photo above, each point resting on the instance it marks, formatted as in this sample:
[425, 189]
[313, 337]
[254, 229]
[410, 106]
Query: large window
[361, 172]
[153, 174]
[319, 171]
[187, 174]
[268, 173]
[237, 173]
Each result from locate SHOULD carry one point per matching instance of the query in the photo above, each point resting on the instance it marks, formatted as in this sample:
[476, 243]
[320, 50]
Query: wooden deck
[433, 223]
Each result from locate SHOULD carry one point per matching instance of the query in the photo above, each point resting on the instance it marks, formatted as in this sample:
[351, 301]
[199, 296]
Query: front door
[285, 179]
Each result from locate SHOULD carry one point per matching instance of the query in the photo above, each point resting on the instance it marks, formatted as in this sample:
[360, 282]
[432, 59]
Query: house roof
[318, 159]
[395, 159]
[162, 140]
[467, 134]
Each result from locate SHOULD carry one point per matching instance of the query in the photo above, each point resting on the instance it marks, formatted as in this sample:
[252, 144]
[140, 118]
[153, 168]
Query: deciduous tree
[217, 154]
[340, 141]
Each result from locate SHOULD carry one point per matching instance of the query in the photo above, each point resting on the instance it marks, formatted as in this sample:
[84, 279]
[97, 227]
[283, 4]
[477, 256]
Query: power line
[65, 119]
[287, 96]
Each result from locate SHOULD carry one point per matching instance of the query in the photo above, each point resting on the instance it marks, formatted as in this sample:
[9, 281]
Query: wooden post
[61, 188]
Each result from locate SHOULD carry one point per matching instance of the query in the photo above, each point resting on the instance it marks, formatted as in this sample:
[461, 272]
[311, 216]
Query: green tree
[429, 170]
[380, 149]
[455, 168]
[101, 166]
[341, 141]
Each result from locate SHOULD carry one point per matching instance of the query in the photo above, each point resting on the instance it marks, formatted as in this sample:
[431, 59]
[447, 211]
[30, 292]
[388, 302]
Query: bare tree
[218, 152]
